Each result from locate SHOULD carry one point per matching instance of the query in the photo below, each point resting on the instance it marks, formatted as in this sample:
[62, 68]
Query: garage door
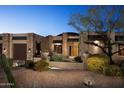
[19, 51]
[0, 49]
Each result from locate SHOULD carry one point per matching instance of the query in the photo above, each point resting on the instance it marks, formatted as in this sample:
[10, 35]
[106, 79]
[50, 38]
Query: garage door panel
[19, 51]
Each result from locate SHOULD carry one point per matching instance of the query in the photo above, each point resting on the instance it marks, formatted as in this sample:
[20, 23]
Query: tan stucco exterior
[65, 41]
[95, 50]
[30, 41]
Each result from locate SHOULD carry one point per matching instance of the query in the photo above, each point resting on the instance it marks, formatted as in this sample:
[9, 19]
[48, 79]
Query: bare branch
[117, 51]
[102, 48]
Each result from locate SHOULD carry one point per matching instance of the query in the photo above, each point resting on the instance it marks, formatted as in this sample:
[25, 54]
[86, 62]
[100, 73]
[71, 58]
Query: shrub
[112, 70]
[41, 65]
[97, 62]
[29, 64]
[78, 59]
[58, 58]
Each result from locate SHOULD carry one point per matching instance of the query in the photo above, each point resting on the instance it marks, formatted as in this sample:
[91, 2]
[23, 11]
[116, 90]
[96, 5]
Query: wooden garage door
[0, 49]
[19, 51]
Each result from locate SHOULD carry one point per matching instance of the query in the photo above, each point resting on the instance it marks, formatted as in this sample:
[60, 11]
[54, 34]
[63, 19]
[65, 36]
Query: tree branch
[117, 51]
[102, 48]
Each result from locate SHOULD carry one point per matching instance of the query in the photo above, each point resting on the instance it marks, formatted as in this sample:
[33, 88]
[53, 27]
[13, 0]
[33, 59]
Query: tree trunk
[110, 51]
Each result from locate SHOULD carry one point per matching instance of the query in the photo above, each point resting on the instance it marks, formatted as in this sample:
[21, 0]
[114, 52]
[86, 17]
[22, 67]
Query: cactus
[7, 69]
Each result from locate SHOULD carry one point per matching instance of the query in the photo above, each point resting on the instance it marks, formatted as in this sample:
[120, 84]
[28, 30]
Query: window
[73, 40]
[96, 37]
[120, 46]
[0, 37]
[57, 41]
[58, 49]
[119, 38]
[19, 38]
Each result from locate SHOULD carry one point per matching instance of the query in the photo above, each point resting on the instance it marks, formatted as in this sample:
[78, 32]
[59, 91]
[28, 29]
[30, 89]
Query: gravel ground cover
[59, 78]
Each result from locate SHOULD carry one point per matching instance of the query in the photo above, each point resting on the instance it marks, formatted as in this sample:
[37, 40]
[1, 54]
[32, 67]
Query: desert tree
[102, 20]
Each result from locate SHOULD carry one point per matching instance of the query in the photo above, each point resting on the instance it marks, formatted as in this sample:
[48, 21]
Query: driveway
[63, 79]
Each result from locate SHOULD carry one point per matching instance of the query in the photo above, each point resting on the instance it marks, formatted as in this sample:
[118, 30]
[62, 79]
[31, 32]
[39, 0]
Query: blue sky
[43, 20]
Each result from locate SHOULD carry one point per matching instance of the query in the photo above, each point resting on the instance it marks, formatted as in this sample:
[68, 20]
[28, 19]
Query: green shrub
[29, 64]
[41, 65]
[112, 70]
[58, 58]
[78, 59]
[97, 62]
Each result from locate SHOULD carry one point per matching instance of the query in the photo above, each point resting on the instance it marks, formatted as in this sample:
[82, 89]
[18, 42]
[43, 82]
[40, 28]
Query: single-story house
[21, 46]
[117, 37]
[66, 44]
[28, 46]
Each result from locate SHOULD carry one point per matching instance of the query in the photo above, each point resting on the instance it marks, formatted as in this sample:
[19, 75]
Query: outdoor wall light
[4, 50]
[97, 42]
[29, 50]
[95, 48]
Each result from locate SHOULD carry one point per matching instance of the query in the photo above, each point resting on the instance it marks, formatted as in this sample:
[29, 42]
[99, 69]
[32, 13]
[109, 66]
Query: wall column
[50, 45]
[64, 44]
[82, 46]
[6, 45]
[114, 47]
[30, 42]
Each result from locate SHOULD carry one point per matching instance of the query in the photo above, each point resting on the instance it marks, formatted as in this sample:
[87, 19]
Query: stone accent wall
[30, 39]
[51, 47]
[11, 46]
[82, 46]
[47, 44]
[85, 47]
[64, 45]
[6, 44]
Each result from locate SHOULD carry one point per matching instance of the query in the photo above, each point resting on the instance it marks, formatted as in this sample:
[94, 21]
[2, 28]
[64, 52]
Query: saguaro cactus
[5, 65]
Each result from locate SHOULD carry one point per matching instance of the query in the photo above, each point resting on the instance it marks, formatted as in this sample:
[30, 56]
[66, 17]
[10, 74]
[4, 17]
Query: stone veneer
[85, 47]
[7, 44]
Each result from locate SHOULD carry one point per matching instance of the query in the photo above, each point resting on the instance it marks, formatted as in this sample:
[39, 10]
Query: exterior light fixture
[95, 48]
[29, 50]
[4, 50]
[96, 42]
[58, 44]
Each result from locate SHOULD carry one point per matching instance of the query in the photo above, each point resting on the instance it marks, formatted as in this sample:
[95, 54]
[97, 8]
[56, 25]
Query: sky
[43, 20]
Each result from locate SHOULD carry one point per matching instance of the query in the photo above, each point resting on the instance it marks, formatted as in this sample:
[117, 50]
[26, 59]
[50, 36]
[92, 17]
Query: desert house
[29, 46]
[66, 44]
[21, 46]
[117, 37]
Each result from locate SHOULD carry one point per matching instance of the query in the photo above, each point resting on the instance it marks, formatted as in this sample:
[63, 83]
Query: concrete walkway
[64, 79]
